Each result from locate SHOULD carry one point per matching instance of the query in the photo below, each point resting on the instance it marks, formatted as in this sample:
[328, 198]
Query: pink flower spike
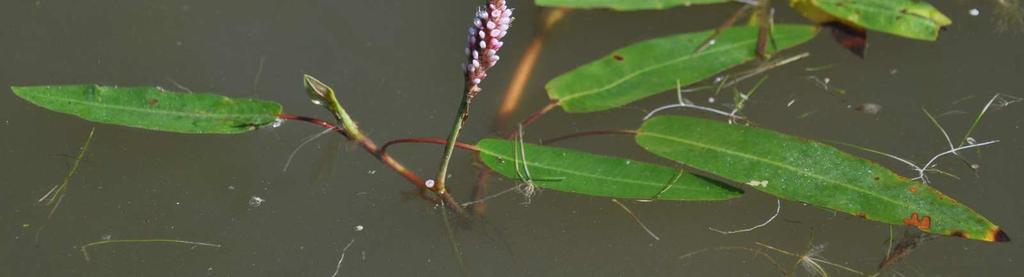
[490, 25]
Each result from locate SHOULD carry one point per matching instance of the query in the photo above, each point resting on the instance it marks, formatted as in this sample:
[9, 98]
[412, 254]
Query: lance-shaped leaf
[153, 108]
[650, 67]
[578, 172]
[624, 5]
[811, 172]
[914, 19]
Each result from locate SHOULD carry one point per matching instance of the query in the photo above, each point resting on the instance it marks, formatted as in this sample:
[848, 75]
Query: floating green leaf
[650, 67]
[811, 172]
[914, 19]
[154, 109]
[624, 5]
[578, 172]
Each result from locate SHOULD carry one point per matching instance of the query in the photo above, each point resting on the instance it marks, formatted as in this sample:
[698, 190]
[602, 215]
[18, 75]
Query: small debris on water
[711, 100]
[974, 12]
[429, 183]
[790, 103]
[358, 228]
[256, 201]
[868, 108]
[371, 172]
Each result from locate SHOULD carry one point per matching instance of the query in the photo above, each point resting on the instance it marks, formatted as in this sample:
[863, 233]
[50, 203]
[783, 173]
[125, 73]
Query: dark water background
[396, 66]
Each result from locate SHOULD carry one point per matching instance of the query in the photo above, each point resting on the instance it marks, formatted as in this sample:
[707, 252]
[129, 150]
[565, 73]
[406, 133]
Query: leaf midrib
[149, 111]
[532, 164]
[657, 66]
[778, 164]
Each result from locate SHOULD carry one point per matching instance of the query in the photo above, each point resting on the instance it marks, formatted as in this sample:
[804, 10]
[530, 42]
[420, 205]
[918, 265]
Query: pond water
[395, 65]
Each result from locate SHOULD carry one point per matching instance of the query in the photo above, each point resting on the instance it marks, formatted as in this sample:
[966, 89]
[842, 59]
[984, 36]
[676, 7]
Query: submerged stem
[56, 194]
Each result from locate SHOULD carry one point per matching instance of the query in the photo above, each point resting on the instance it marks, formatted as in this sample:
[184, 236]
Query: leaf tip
[998, 235]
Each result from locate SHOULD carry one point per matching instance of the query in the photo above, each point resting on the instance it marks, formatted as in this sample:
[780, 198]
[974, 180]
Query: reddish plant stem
[460, 145]
[314, 121]
[372, 148]
[536, 115]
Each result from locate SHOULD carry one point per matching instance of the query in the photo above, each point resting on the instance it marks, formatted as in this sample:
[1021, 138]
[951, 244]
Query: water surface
[396, 67]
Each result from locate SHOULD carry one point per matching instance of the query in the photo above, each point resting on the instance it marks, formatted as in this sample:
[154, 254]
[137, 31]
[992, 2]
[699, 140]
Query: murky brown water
[396, 64]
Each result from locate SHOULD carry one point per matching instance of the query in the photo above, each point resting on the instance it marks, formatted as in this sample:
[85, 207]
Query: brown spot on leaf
[912, 189]
[861, 215]
[877, 178]
[152, 102]
[923, 223]
[618, 57]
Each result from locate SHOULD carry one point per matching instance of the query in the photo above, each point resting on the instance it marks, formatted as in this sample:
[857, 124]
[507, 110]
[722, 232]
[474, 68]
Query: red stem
[314, 121]
[460, 145]
[536, 115]
[372, 148]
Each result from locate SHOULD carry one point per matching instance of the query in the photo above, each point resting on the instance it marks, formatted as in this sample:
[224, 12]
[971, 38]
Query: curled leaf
[914, 19]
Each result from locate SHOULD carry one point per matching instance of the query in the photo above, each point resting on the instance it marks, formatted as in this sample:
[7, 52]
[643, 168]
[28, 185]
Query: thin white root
[684, 104]
[636, 219]
[810, 260]
[921, 170]
[778, 208]
[492, 196]
[304, 142]
[85, 248]
[337, 268]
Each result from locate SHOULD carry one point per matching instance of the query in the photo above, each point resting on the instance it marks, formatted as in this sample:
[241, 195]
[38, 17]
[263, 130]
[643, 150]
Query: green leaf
[578, 172]
[624, 5]
[914, 19]
[154, 109]
[650, 67]
[811, 172]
